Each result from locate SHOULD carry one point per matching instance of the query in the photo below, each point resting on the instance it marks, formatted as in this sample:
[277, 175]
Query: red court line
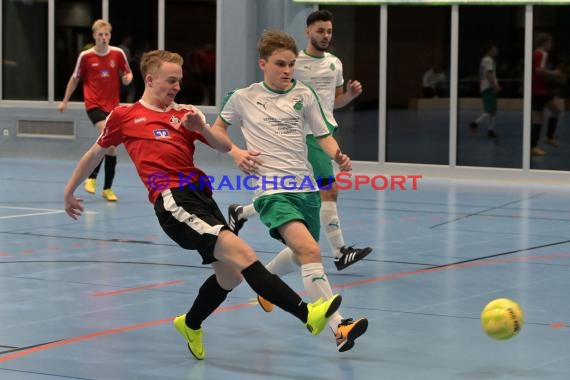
[82, 337]
[244, 305]
[136, 289]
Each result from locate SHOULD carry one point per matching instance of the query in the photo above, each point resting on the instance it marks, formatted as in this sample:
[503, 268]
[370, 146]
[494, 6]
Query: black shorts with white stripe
[192, 219]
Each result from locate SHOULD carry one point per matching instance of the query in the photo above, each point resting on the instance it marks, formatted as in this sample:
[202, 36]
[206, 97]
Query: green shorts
[277, 209]
[489, 97]
[319, 160]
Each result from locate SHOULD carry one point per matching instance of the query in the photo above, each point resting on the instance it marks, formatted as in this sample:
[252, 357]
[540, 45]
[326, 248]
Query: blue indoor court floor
[94, 298]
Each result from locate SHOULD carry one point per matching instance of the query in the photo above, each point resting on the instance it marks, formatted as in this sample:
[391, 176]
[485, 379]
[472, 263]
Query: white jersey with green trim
[324, 74]
[272, 123]
[487, 64]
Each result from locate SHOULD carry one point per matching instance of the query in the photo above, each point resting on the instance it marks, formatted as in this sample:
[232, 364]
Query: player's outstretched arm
[353, 90]
[194, 120]
[84, 167]
[246, 160]
[69, 89]
[330, 146]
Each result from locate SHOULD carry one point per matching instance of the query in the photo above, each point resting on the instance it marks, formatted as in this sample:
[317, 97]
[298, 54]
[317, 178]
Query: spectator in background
[205, 67]
[543, 94]
[433, 82]
[489, 87]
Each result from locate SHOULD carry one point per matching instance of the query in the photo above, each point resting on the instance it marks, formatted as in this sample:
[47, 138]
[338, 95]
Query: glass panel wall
[196, 42]
[135, 29]
[417, 120]
[356, 41]
[73, 34]
[417, 117]
[550, 130]
[24, 50]
[490, 88]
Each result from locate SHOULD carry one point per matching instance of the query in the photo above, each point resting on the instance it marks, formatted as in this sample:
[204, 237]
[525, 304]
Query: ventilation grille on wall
[46, 129]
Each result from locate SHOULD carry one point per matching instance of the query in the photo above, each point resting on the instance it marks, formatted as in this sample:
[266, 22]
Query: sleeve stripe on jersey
[330, 125]
[78, 63]
[115, 48]
[224, 120]
[226, 98]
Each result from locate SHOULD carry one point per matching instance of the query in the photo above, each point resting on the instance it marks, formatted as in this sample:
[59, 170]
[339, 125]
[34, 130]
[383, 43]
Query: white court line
[46, 211]
[30, 208]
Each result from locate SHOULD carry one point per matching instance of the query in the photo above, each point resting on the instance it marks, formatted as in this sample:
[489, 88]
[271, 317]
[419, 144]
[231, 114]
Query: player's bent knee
[309, 254]
[329, 195]
[230, 280]
[247, 256]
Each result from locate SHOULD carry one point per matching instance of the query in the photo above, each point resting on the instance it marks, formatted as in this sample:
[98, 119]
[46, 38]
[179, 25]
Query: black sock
[210, 296]
[110, 164]
[273, 289]
[95, 171]
[534, 134]
[552, 122]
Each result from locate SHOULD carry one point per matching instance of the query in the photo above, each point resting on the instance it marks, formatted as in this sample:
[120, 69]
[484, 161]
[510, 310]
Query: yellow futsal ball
[502, 319]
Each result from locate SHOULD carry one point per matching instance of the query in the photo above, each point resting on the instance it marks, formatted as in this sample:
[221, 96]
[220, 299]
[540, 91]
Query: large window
[24, 50]
[355, 41]
[189, 29]
[135, 29]
[490, 119]
[417, 121]
[73, 21]
[191, 32]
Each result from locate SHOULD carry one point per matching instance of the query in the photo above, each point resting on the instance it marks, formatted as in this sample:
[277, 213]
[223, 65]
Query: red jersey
[162, 150]
[539, 86]
[101, 77]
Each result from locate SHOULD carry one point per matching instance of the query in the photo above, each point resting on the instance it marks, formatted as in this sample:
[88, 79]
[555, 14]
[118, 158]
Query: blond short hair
[152, 60]
[101, 24]
[274, 39]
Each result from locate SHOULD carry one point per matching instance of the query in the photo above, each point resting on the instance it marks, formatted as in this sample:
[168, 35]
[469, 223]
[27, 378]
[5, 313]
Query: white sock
[481, 117]
[283, 263]
[317, 286]
[248, 211]
[331, 224]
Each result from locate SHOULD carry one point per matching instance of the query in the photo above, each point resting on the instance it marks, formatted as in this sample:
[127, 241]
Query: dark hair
[321, 15]
[274, 39]
[486, 47]
[541, 38]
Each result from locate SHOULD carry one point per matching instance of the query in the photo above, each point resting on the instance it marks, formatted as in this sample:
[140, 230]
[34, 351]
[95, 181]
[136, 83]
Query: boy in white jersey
[489, 87]
[273, 115]
[323, 72]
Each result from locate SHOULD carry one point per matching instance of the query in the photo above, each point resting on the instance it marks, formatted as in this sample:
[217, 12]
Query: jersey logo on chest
[174, 120]
[161, 133]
